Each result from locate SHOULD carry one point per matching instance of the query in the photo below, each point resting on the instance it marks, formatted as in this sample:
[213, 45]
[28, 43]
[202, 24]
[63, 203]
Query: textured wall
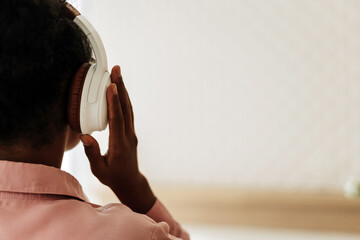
[257, 93]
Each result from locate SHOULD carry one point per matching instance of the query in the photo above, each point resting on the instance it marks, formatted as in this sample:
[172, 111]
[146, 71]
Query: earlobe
[72, 139]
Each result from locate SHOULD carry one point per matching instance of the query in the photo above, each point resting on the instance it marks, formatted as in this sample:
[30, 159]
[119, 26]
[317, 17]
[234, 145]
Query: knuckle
[116, 117]
[97, 172]
[135, 140]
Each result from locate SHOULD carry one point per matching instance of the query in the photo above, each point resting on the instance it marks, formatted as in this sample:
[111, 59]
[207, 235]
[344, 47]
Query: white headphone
[87, 108]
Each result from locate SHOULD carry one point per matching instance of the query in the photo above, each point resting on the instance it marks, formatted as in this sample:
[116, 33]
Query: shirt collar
[39, 179]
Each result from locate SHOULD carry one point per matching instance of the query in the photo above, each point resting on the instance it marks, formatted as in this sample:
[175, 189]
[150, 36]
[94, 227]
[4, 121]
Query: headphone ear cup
[74, 101]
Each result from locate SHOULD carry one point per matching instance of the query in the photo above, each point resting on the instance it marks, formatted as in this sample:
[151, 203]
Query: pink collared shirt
[39, 202]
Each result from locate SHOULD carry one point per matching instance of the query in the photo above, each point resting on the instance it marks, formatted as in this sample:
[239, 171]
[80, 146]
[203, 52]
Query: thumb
[92, 151]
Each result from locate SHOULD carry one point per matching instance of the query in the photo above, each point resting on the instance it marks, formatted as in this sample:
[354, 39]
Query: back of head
[40, 51]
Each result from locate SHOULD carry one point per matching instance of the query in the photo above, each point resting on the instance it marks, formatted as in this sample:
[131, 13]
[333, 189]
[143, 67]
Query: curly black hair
[40, 51]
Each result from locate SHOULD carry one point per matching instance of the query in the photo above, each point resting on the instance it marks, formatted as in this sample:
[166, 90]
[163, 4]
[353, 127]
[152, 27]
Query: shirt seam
[152, 234]
[31, 198]
[53, 191]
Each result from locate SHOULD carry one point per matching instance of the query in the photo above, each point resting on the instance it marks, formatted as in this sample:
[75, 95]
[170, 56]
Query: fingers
[116, 118]
[92, 151]
[124, 99]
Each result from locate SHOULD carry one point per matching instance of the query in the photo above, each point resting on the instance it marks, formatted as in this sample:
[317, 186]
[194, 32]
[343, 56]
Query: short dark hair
[40, 51]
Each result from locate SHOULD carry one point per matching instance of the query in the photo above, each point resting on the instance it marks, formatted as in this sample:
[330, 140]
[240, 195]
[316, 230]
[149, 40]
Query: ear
[73, 138]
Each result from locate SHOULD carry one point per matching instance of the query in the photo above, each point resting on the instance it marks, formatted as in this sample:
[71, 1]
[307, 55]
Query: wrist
[137, 195]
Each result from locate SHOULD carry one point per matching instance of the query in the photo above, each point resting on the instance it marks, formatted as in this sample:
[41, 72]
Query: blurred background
[247, 111]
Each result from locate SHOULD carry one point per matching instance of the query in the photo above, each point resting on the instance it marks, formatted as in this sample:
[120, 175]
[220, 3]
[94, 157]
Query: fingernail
[118, 71]
[114, 88]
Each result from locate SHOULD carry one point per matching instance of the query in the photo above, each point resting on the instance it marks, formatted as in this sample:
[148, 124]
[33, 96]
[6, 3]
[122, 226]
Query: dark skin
[118, 168]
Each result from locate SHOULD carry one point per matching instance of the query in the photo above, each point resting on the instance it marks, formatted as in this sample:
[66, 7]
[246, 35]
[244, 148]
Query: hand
[118, 168]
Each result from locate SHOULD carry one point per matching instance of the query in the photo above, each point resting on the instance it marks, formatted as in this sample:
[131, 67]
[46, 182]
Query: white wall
[256, 93]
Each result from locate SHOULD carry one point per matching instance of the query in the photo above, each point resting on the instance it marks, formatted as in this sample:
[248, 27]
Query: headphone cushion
[74, 101]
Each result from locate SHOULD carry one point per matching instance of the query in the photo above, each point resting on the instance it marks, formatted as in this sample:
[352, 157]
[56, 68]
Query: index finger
[124, 99]
[116, 118]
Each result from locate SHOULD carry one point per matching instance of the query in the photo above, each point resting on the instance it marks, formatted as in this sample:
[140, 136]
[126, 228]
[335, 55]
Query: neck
[50, 155]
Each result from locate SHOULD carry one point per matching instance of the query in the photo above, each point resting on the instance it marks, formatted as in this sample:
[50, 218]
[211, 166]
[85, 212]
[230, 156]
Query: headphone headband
[87, 110]
[97, 46]
[71, 12]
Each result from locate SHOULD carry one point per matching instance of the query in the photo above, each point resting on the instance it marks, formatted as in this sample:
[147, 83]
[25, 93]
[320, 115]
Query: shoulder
[111, 221]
